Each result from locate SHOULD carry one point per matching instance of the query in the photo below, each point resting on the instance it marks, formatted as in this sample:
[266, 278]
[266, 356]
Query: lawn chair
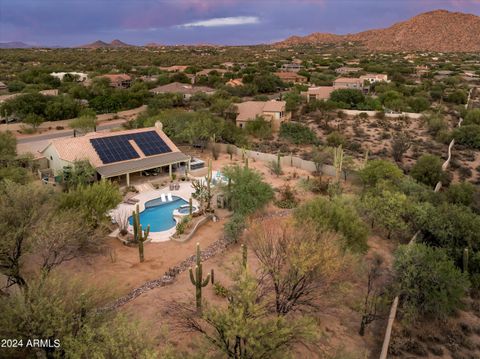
[163, 198]
[169, 197]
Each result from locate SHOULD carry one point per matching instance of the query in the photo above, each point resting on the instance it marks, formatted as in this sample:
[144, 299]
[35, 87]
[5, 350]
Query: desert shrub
[336, 139]
[428, 170]
[337, 215]
[380, 170]
[259, 128]
[428, 282]
[286, 198]
[468, 135]
[183, 225]
[235, 227]
[297, 133]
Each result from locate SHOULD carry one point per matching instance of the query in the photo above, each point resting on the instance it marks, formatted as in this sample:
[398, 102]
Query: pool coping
[184, 192]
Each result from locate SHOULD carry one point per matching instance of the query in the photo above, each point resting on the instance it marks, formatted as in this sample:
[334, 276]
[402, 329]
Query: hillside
[438, 30]
[102, 44]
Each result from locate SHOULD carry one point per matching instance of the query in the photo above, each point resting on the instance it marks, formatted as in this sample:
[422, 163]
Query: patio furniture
[169, 196]
[177, 186]
[172, 187]
[163, 198]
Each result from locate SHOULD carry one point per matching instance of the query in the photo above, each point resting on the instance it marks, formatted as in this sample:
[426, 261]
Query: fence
[393, 310]
[289, 160]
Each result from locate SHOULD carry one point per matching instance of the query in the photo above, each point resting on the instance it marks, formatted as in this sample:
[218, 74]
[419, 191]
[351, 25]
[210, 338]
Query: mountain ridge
[437, 30]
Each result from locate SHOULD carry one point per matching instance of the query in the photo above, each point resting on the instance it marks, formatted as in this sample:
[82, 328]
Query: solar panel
[114, 149]
[118, 148]
[150, 143]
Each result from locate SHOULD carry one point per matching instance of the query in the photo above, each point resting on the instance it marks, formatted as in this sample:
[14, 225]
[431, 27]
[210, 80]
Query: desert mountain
[14, 45]
[102, 44]
[438, 30]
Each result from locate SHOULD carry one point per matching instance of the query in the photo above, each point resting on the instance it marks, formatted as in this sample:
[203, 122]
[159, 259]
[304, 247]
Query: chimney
[159, 125]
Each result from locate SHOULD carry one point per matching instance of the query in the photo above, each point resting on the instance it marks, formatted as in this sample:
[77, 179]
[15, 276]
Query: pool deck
[184, 192]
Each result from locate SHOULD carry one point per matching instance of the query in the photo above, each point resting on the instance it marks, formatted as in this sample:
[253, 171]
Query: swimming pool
[159, 215]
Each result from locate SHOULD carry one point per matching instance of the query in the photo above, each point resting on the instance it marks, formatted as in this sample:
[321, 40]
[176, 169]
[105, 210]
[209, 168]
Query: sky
[225, 22]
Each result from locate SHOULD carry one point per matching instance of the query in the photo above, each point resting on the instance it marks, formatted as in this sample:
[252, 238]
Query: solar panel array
[118, 148]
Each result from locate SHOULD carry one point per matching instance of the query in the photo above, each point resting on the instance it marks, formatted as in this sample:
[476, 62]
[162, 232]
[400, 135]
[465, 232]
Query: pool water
[186, 210]
[159, 215]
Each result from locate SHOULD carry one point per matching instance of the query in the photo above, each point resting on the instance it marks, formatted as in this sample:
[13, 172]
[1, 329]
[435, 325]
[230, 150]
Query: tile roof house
[207, 72]
[292, 67]
[175, 68]
[348, 83]
[118, 80]
[320, 93]
[185, 89]
[105, 151]
[291, 77]
[372, 78]
[78, 76]
[234, 82]
[272, 111]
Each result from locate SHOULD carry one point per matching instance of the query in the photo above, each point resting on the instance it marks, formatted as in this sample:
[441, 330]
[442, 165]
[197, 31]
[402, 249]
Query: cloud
[223, 21]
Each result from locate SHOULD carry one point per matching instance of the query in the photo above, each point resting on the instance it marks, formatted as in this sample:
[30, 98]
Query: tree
[67, 312]
[247, 192]
[297, 133]
[81, 174]
[245, 329]
[468, 135]
[21, 209]
[92, 202]
[370, 305]
[387, 208]
[400, 144]
[8, 146]
[320, 157]
[428, 283]
[472, 117]
[293, 101]
[335, 215]
[350, 97]
[379, 170]
[33, 120]
[85, 122]
[297, 263]
[259, 128]
[428, 170]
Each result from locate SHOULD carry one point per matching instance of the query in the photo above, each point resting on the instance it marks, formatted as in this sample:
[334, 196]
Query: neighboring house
[235, 82]
[293, 67]
[3, 86]
[348, 83]
[372, 78]
[185, 89]
[53, 92]
[422, 70]
[79, 76]
[206, 72]
[347, 70]
[320, 93]
[291, 77]
[175, 68]
[272, 111]
[116, 154]
[121, 81]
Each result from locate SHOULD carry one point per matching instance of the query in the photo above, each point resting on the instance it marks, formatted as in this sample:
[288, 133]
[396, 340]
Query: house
[52, 92]
[175, 68]
[117, 154]
[121, 81]
[291, 77]
[348, 83]
[76, 76]
[372, 78]
[422, 70]
[207, 72]
[320, 93]
[292, 67]
[347, 70]
[235, 82]
[186, 90]
[3, 86]
[272, 111]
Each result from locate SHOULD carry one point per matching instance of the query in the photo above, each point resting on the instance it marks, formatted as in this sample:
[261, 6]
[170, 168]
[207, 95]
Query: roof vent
[159, 125]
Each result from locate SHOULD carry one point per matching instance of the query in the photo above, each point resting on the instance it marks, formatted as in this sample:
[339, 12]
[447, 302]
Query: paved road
[60, 134]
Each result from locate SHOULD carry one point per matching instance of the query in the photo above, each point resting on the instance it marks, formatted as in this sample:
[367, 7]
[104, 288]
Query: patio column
[188, 165]
[170, 170]
[128, 179]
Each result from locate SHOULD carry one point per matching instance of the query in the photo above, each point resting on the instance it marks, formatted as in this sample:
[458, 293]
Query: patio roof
[121, 168]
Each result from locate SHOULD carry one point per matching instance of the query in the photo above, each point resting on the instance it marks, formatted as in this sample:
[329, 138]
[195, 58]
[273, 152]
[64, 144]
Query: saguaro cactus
[139, 235]
[190, 206]
[244, 256]
[338, 161]
[198, 281]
